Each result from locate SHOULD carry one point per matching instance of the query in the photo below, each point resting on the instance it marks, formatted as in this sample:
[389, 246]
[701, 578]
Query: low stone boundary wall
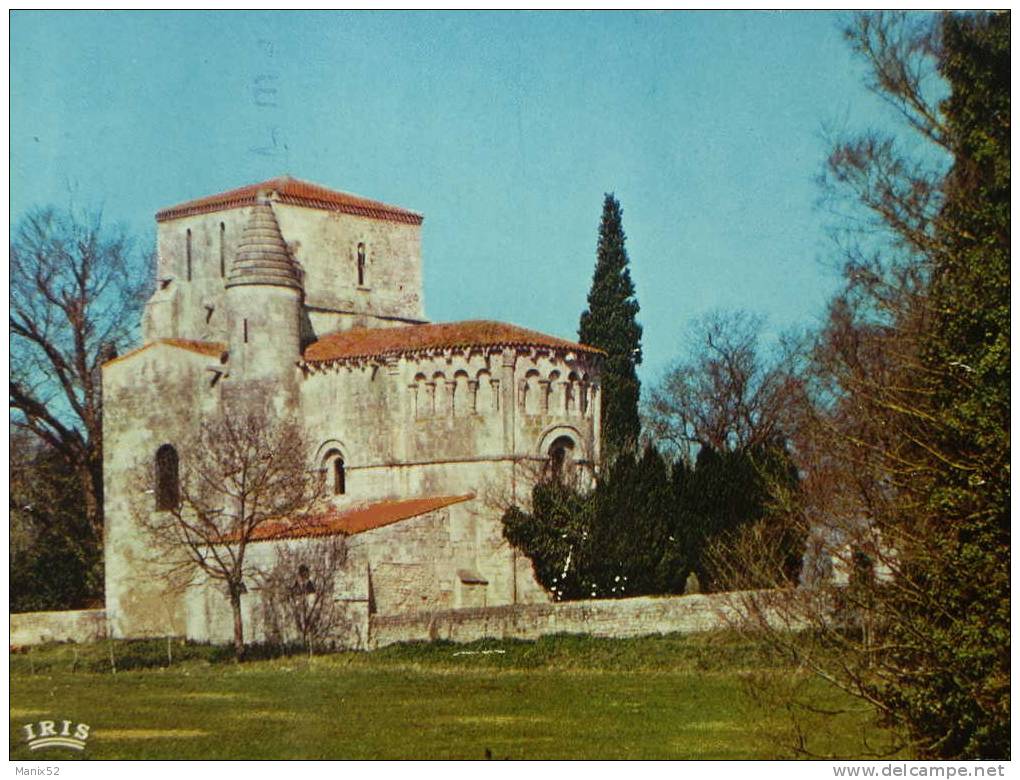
[36, 628]
[631, 617]
[608, 617]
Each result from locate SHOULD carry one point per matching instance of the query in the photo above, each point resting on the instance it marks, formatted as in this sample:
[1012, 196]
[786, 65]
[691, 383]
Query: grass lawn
[560, 697]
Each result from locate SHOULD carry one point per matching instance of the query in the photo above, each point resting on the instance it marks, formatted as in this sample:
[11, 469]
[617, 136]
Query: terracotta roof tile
[208, 348]
[372, 342]
[296, 193]
[357, 519]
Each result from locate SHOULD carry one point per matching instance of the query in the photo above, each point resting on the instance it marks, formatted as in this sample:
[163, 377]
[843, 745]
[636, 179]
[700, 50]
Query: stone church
[311, 299]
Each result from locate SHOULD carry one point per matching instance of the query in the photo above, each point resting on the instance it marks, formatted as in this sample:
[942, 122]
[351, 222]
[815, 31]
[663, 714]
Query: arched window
[555, 394]
[336, 472]
[361, 265]
[484, 402]
[440, 395]
[532, 390]
[422, 402]
[571, 389]
[223, 250]
[463, 400]
[187, 252]
[561, 453]
[168, 487]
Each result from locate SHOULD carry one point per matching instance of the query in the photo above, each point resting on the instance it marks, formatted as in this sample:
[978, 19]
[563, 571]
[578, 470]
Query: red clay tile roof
[296, 193]
[357, 519]
[371, 342]
[208, 348]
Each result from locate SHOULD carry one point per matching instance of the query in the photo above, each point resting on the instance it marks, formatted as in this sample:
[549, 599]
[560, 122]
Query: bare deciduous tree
[727, 393]
[299, 592]
[240, 473]
[908, 374]
[753, 556]
[76, 290]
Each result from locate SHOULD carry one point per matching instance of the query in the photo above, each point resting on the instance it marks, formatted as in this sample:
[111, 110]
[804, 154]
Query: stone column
[473, 393]
[451, 390]
[417, 404]
[496, 404]
[508, 402]
[430, 402]
[567, 397]
[399, 408]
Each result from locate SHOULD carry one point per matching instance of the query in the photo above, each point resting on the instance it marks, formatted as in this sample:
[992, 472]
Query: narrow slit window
[245, 327]
[187, 251]
[339, 477]
[361, 265]
[168, 487]
[223, 251]
[334, 472]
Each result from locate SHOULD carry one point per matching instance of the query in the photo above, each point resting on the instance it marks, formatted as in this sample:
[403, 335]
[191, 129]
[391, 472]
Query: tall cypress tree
[610, 324]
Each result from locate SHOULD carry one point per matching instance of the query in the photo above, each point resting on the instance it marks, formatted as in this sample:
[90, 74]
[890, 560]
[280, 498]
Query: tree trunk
[91, 476]
[235, 605]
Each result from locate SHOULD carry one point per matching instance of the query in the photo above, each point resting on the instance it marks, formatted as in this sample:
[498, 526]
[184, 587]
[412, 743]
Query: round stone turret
[264, 299]
[262, 257]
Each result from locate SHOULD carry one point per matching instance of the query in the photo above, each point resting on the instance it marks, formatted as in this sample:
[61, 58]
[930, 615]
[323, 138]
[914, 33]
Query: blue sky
[504, 129]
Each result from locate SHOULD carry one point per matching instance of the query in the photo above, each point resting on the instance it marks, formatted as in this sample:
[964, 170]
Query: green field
[560, 697]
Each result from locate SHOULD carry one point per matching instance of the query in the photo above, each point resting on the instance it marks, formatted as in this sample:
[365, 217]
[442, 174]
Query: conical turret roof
[262, 256]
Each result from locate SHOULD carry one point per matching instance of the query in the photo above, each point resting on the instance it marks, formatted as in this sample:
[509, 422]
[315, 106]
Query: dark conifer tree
[613, 542]
[610, 324]
[951, 648]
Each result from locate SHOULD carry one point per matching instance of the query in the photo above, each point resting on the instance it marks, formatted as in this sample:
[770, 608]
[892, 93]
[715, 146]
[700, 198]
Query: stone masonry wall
[480, 420]
[325, 243]
[608, 618]
[618, 618]
[195, 254]
[36, 628]
[156, 396]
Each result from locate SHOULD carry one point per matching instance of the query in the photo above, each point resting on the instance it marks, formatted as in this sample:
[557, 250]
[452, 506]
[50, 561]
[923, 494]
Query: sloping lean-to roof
[214, 349]
[375, 342]
[295, 192]
[357, 519]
